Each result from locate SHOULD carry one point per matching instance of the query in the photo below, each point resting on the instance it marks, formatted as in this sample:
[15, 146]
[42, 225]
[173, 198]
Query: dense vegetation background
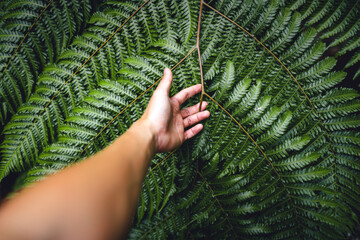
[68, 68]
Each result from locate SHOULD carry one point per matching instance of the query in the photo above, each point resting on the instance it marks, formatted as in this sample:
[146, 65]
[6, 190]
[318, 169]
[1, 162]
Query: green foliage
[48, 38]
[218, 185]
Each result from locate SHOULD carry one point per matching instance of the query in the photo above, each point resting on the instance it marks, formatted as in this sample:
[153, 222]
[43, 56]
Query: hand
[165, 119]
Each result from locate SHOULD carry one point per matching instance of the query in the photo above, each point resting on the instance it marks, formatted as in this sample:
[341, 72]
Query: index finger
[186, 93]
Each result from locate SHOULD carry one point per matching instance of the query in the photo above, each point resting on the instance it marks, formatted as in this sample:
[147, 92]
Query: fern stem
[199, 54]
[169, 155]
[273, 167]
[242, 128]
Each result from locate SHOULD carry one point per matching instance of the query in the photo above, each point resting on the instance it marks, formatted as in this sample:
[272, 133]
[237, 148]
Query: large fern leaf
[278, 158]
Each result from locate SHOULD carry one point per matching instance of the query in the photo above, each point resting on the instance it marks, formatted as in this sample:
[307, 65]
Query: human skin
[97, 198]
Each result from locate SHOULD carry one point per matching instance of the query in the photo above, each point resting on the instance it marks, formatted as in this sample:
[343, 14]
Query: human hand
[165, 119]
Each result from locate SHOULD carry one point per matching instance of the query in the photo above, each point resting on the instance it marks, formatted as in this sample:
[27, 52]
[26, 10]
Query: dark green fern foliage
[48, 38]
[218, 185]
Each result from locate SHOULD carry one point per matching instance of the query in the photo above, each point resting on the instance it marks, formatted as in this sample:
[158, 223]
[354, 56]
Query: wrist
[143, 129]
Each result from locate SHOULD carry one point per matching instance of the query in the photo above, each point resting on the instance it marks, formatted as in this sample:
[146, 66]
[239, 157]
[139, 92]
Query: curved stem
[199, 54]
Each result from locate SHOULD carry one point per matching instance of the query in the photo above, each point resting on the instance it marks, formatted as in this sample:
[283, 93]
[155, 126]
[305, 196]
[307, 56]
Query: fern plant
[279, 156]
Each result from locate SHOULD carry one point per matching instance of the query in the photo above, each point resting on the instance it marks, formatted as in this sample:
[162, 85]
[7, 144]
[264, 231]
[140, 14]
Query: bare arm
[97, 198]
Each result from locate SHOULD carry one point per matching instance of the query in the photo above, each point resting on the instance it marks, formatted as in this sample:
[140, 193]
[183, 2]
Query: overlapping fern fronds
[32, 35]
[296, 177]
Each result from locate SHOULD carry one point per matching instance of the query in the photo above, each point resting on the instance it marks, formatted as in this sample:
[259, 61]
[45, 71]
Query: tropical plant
[279, 156]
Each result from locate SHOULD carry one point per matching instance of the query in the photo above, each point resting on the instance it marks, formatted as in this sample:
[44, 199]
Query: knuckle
[189, 121]
[187, 112]
[187, 96]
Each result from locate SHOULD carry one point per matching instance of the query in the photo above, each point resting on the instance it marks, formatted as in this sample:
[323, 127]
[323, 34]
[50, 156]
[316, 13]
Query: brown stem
[263, 153]
[242, 128]
[199, 54]
[169, 155]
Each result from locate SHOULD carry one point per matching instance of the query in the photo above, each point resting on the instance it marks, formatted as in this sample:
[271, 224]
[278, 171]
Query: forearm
[117, 174]
[92, 200]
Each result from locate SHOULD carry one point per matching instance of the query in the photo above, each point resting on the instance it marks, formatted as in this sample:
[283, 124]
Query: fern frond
[36, 43]
[274, 160]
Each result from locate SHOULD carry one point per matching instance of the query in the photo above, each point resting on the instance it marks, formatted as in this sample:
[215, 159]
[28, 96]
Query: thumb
[166, 81]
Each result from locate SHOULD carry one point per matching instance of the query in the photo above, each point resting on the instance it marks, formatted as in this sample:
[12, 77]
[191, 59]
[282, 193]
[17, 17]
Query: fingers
[192, 110]
[166, 81]
[191, 120]
[193, 131]
[186, 93]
